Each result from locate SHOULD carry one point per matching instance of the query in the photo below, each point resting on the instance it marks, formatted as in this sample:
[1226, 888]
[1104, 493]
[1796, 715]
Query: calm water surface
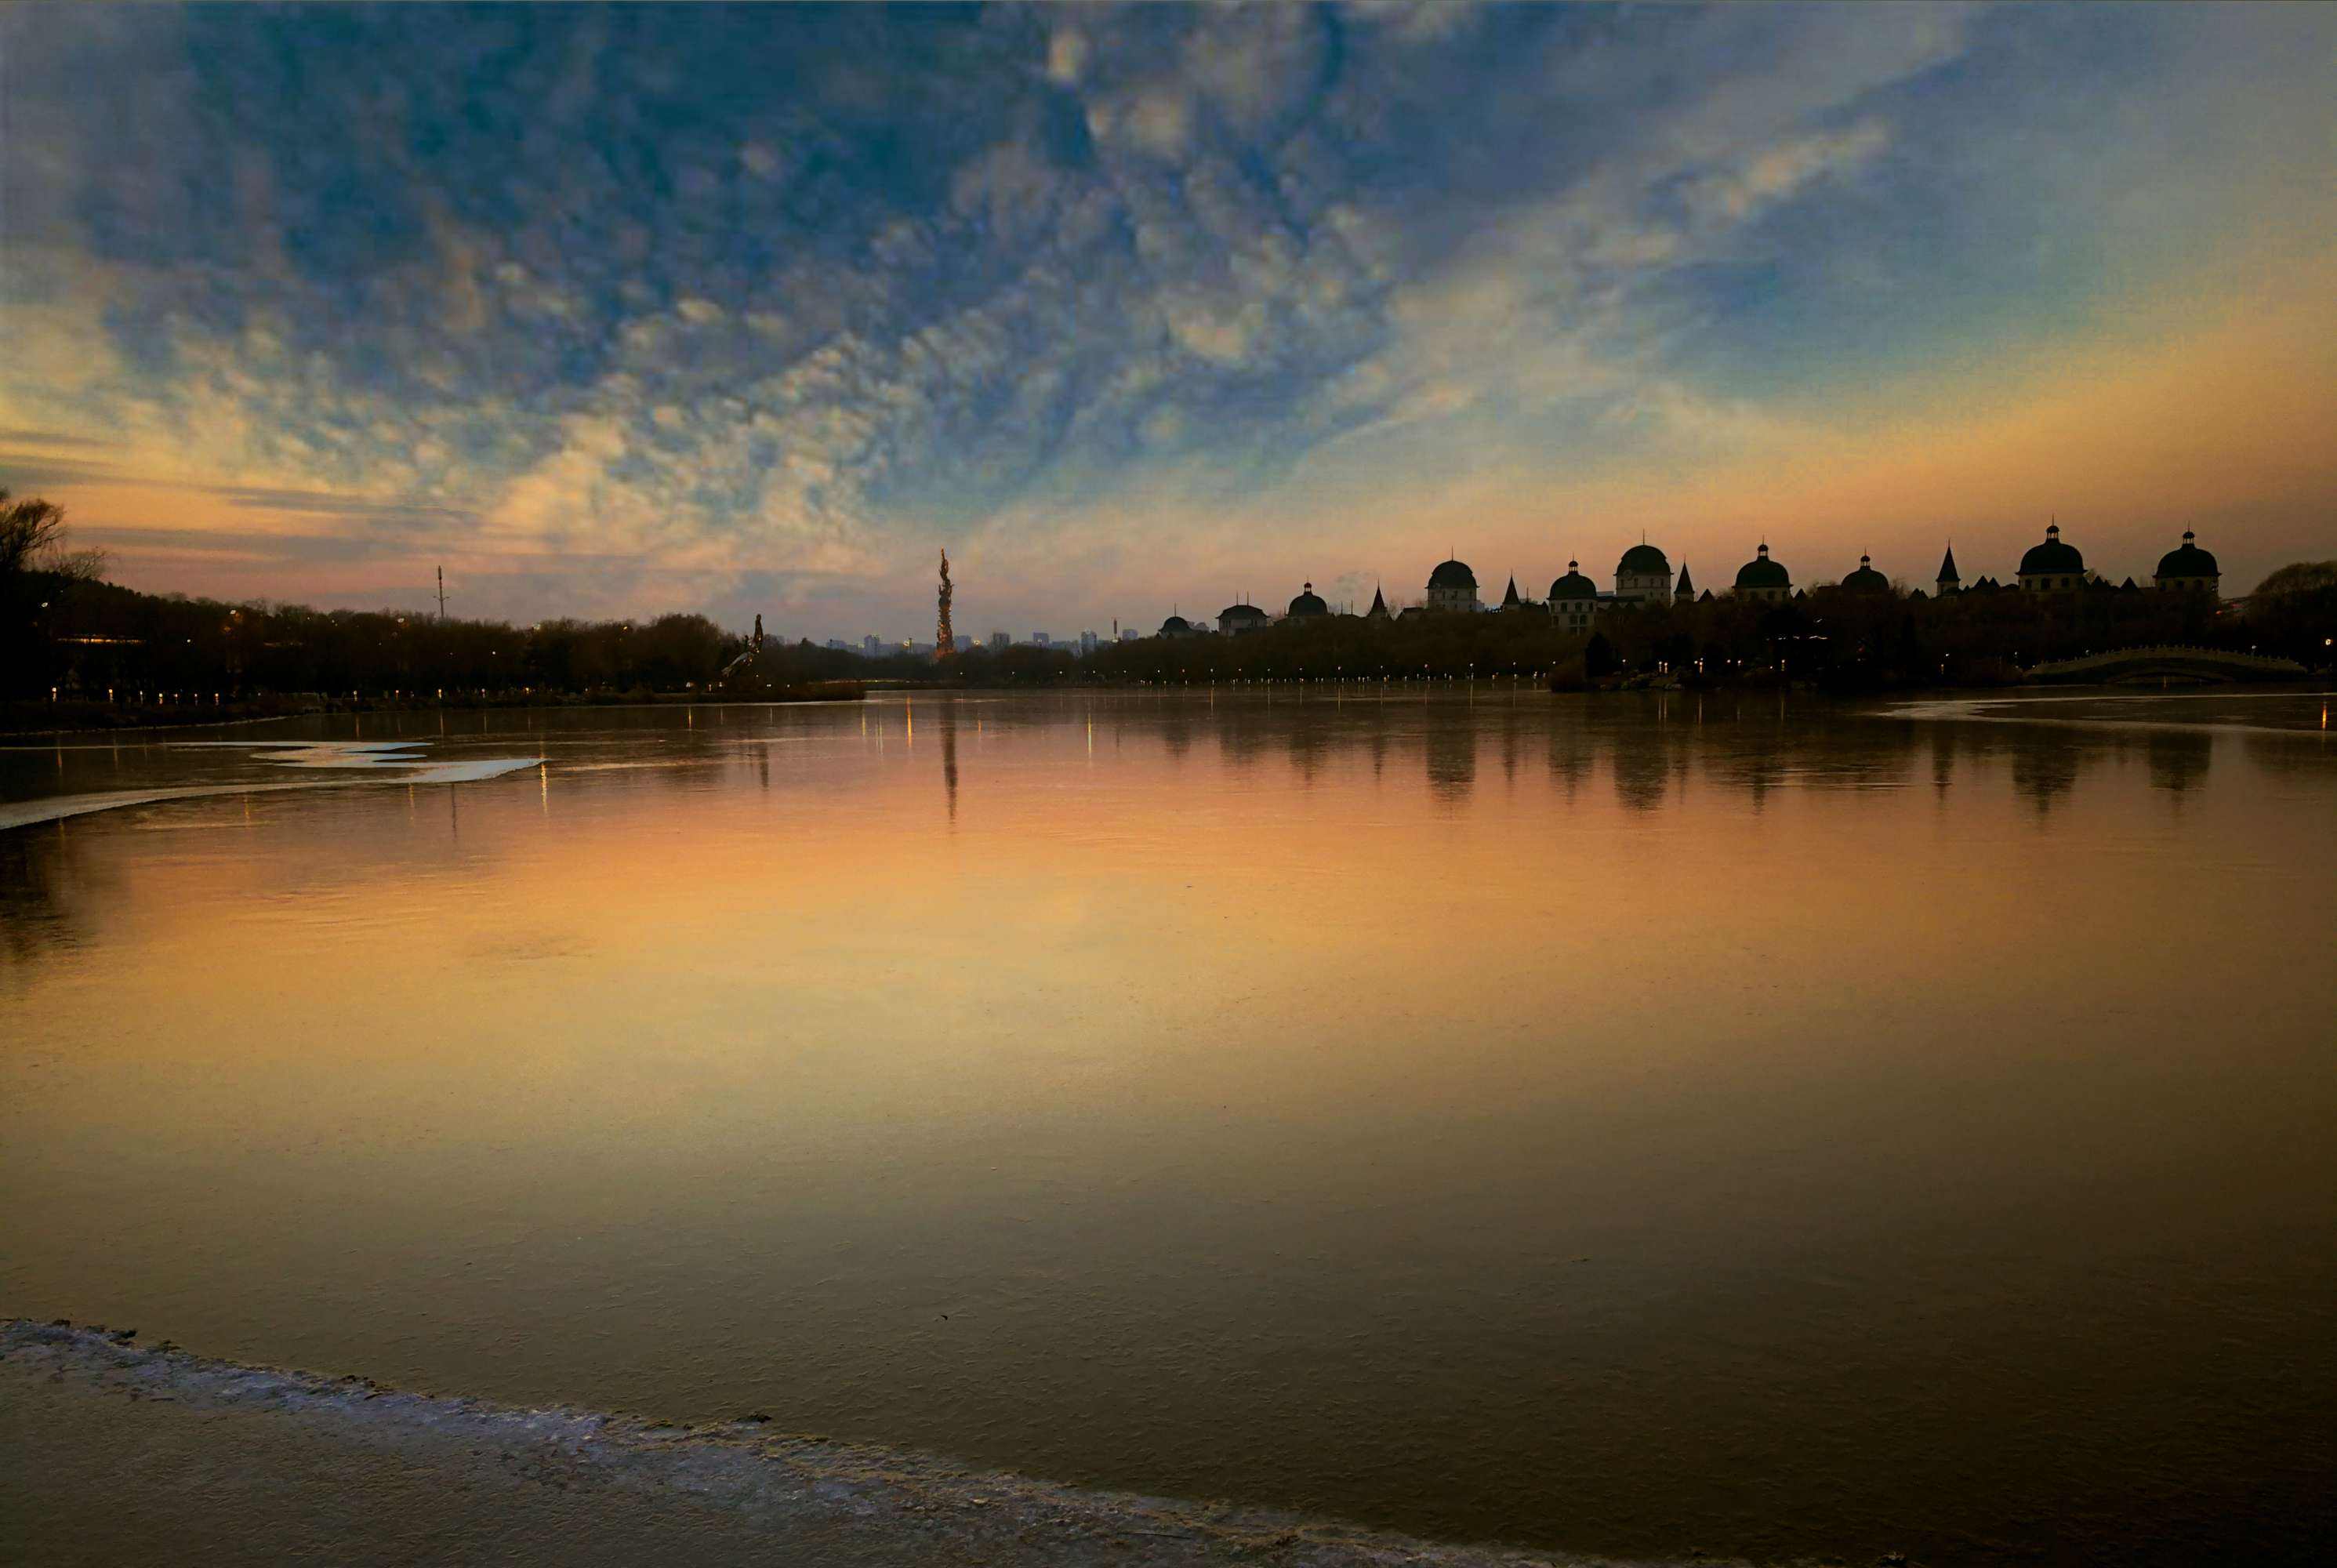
[1627, 1125]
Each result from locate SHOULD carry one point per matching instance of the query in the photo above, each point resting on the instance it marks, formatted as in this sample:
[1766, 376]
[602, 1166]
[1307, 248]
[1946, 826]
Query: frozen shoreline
[806, 1498]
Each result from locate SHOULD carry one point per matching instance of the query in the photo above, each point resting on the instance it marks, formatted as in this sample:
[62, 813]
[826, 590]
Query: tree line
[63, 629]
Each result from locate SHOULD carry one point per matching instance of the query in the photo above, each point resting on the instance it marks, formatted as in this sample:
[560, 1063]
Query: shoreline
[775, 1492]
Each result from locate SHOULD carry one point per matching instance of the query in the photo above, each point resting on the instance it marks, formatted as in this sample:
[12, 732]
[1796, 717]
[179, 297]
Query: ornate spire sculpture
[944, 640]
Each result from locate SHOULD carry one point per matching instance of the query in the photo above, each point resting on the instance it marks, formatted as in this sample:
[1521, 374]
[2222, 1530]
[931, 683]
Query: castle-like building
[1643, 577]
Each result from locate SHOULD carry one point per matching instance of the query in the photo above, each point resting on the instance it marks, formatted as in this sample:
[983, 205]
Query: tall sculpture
[944, 641]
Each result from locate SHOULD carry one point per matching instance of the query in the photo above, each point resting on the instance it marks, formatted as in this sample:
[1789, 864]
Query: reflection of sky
[1217, 1067]
[748, 310]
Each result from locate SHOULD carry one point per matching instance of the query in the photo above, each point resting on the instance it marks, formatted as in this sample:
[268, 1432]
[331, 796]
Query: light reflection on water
[1622, 1125]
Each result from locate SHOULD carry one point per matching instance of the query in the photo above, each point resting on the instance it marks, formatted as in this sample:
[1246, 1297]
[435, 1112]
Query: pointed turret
[1949, 582]
[1686, 590]
[1510, 600]
[1379, 610]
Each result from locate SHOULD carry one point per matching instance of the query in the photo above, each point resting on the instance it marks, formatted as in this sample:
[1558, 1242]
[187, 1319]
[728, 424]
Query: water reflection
[1521, 1119]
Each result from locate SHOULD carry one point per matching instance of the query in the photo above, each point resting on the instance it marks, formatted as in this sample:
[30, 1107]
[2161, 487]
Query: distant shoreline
[81, 716]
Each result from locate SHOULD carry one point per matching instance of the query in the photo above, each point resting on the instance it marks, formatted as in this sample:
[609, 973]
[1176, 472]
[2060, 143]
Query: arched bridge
[2120, 666]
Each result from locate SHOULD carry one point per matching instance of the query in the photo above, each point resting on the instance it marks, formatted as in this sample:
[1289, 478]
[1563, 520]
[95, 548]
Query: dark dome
[1644, 558]
[2188, 561]
[1452, 574]
[1574, 584]
[1241, 613]
[1176, 624]
[2052, 555]
[1762, 572]
[1866, 579]
[1309, 603]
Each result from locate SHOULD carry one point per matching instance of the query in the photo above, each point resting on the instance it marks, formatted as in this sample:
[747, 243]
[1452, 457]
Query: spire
[1379, 602]
[1948, 567]
[1510, 600]
[1687, 588]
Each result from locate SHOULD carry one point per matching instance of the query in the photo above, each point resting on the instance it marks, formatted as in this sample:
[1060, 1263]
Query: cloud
[605, 301]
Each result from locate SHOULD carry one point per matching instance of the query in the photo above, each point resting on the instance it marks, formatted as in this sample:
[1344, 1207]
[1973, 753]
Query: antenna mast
[442, 593]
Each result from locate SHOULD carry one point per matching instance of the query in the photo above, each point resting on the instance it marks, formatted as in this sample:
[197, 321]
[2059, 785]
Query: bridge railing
[2173, 653]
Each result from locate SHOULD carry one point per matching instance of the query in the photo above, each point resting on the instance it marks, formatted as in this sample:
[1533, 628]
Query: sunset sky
[748, 310]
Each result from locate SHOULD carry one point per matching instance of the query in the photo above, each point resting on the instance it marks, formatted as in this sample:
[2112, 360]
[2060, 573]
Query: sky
[754, 310]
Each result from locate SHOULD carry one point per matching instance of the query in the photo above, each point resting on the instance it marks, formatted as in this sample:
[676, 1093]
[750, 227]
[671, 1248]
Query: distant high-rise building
[1040, 639]
[839, 644]
[964, 642]
[872, 645]
[1001, 640]
[1087, 642]
[1131, 634]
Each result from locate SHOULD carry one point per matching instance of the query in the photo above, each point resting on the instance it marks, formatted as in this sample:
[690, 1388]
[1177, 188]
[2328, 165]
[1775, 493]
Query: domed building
[1307, 604]
[1178, 626]
[1866, 579]
[1643, 577]
[1573, 600]
[2187, 568]
[2052, 567]
[1452, 586]
[1763, 579]
[1235, 620]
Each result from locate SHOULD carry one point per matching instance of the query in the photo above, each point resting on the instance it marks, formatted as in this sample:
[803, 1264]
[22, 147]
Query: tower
[944, 640]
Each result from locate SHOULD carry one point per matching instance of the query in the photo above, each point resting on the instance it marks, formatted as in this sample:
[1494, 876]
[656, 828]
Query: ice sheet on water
[391, 769]
[887, 1504]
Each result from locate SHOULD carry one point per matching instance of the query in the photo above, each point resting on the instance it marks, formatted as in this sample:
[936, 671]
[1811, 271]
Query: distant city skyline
[1134, 309]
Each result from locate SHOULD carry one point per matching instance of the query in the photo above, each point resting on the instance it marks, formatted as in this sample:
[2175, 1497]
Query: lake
[1630, 1124]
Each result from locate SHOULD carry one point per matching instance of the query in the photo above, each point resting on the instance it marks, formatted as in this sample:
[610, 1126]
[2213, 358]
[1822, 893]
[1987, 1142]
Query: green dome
[1574, 584]
[1762, 572]
[2051, 556]
[2187, 560]
[1241, 613]
[1308, 602]
[1454, 574]
[1643, 558]
[1175, 626]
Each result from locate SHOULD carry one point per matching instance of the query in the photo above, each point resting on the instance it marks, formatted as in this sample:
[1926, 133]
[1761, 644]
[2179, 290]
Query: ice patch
[409, 770]
[904, 1506]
